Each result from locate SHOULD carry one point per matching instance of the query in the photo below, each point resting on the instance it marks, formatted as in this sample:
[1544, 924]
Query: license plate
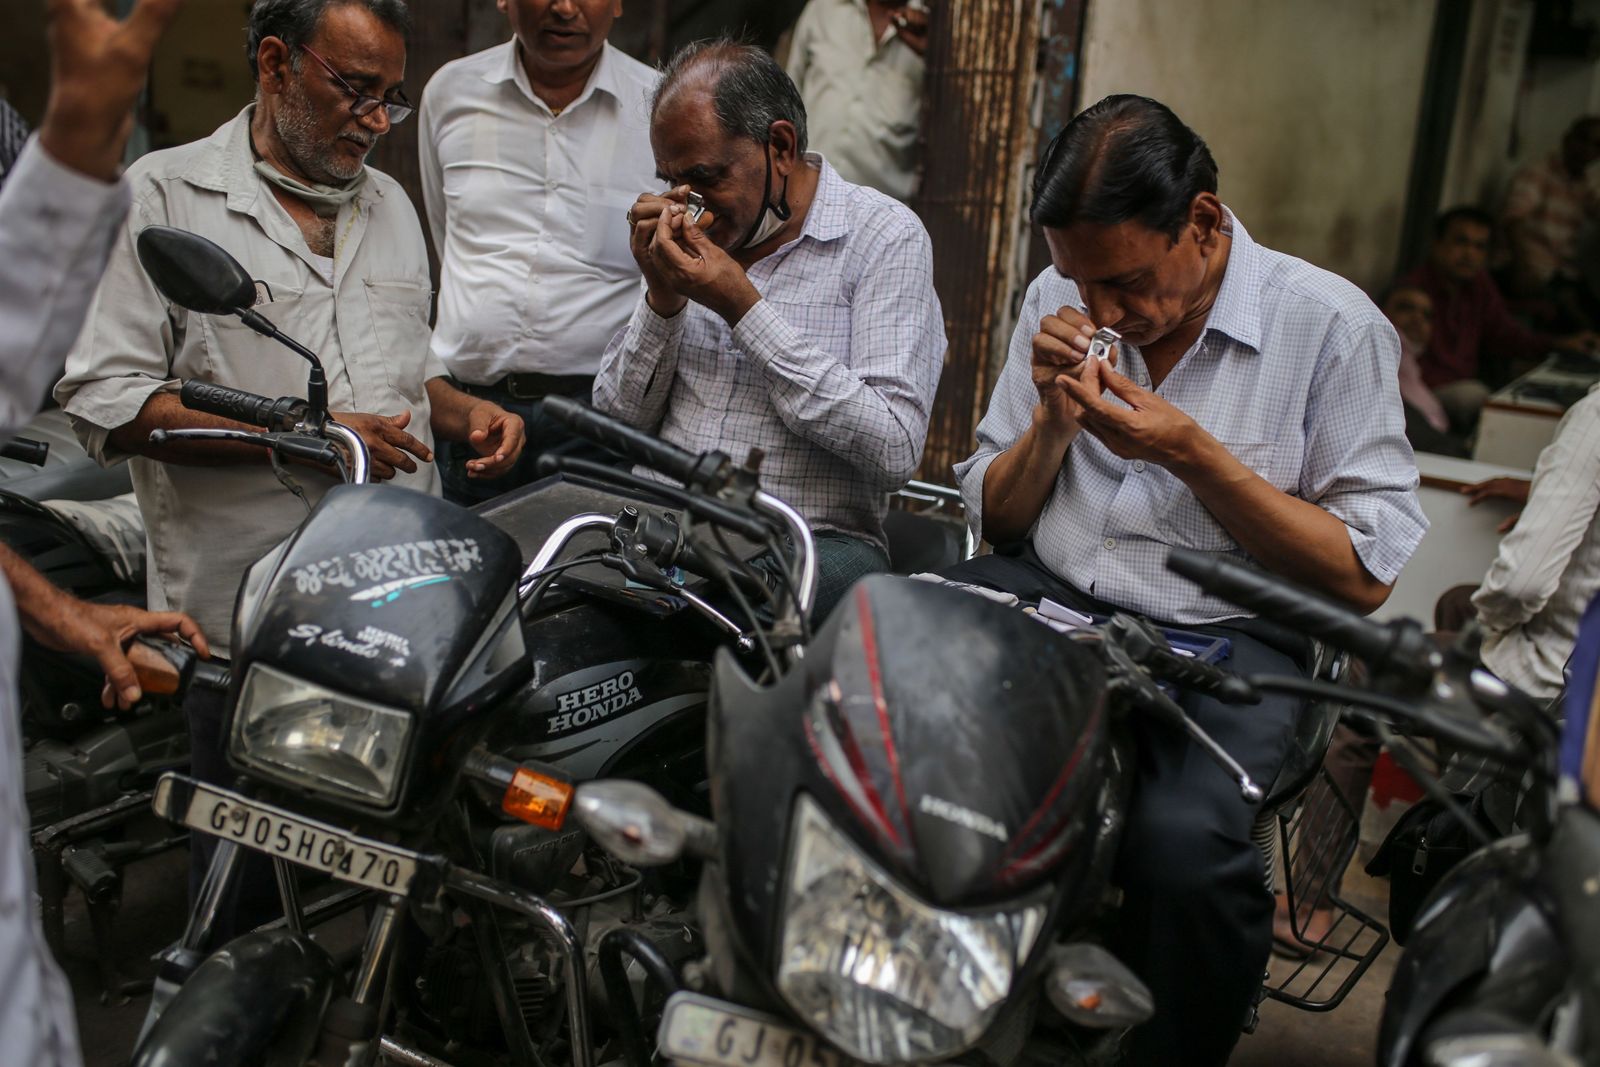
[263, 828]
[701, 1030]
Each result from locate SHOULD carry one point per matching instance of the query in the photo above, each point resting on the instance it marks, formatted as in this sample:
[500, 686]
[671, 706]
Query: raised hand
[693, 265]
[98, 66]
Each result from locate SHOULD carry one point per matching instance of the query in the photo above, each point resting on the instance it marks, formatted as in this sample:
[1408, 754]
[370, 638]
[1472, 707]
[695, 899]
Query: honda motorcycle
[911, 851]
[405, 707]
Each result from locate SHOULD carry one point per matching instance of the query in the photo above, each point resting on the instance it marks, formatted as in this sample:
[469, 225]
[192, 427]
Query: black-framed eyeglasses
[362, 104]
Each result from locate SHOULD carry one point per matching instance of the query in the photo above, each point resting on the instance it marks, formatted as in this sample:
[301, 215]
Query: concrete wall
[1309, 107]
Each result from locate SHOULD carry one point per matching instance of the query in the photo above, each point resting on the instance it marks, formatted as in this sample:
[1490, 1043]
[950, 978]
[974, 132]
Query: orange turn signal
[535, 799]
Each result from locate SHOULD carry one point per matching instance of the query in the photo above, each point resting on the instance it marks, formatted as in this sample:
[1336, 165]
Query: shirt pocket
[400, 326]
[1187, 523]
[606, 231]
[236, 356]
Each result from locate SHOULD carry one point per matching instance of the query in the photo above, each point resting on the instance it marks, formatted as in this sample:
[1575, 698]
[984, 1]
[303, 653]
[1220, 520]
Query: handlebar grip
[645, 450]
[1399, 650]
[1200, 677]
[26, 450]
[280, 415]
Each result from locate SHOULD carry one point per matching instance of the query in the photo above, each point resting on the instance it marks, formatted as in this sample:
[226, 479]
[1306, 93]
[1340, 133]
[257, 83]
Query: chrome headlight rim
[1024, 920]
[301, 776]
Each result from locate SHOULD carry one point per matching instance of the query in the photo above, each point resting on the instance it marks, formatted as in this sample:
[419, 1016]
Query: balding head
[740, 84]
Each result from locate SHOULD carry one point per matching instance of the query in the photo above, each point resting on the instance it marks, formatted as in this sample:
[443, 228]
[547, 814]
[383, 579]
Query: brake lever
[1130, 678]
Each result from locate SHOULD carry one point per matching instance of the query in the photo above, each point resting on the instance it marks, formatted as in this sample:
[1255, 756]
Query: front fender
[1479, 925]
[257, 1001]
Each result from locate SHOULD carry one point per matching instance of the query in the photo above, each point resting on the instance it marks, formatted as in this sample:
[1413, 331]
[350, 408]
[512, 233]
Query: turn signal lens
[535, 799]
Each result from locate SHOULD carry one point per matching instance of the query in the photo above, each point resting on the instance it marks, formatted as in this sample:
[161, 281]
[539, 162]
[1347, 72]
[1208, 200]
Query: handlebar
[26, 450]
[705, 471]
[1399, 651]
[280, 415]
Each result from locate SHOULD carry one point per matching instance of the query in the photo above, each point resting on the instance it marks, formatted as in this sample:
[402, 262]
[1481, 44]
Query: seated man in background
[1428, 427]
[1547, 206]
[1475, 342]
[1254, 412]
[797, 317]
[285, 189]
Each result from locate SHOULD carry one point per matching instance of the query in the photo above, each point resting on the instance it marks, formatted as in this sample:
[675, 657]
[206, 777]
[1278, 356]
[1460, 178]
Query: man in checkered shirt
[798, 316]
[1253, 412]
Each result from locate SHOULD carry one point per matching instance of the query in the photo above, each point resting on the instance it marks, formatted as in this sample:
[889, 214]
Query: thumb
[1122, 385]
[120, 677]
[401, 420]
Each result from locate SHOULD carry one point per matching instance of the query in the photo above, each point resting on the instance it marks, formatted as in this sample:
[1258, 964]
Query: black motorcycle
[405, 704]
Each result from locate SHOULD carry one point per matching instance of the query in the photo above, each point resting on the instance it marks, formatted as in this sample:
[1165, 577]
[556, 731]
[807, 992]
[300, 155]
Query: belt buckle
[512, 389]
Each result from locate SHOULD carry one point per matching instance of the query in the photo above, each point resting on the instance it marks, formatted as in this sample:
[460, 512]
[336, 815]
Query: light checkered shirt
[1295, 373]
[832, 372]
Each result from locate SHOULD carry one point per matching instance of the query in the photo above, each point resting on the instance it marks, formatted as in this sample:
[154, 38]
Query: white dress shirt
[1295, 373]
[832, 372]
[528, 211]
[55, 230]
[369, 326]
[863, 97]
[1548, 566]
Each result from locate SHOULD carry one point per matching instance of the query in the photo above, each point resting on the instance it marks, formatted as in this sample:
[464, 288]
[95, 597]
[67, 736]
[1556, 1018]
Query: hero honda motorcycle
[909, 855]
[366, 682]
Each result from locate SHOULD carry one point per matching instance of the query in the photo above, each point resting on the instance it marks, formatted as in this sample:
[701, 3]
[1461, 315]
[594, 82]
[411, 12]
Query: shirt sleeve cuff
[98, 407]
[762, 331]
[1384, 552]
[57, 204]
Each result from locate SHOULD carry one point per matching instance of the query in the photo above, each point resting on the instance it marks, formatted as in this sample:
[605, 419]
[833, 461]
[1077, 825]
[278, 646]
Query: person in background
[1428, 427]
[1475, 339]
[59, 212]
[532, 152]
[1547, 206]
[801, 319]
[859, 67]
[13, 135]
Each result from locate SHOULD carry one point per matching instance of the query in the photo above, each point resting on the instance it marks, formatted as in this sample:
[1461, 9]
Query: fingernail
[131, 694]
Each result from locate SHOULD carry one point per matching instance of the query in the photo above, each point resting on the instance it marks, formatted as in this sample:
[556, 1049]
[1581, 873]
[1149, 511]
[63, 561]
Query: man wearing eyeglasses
[341, 266]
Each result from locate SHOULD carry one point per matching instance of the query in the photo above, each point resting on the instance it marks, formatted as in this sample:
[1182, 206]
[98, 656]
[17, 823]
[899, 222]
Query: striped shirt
[1296, 374]
[831, 373]
[1548, 566]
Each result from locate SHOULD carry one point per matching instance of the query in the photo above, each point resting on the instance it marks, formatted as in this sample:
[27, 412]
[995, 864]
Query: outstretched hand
[389, 447]
[495, 434]
[98, 66]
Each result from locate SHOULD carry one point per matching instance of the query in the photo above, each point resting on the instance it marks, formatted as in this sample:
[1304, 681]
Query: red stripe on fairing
[869, 642]
[882, 820]
[1049, 801]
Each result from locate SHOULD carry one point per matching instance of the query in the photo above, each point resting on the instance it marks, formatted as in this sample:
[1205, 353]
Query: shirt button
[1111, 542]
[1138, 466]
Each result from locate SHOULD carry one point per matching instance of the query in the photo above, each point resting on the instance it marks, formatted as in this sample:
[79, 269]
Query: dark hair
[294, 22]
[1462, 213]
[1127, 157]
[750, 92]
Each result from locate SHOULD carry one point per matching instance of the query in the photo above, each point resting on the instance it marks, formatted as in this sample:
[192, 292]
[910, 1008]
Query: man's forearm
[1286, 535]
[35, 596]
[165, 411]
[1019, 482]
[450, 410]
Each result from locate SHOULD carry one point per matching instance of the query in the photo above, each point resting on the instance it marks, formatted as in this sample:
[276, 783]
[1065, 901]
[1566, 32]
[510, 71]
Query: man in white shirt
[859, 67]
[531, 153]
[58, 213]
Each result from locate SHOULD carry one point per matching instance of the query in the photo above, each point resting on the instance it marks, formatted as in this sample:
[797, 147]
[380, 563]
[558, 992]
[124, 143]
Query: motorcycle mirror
[194, 273]
[1093, 988]
[638, 826]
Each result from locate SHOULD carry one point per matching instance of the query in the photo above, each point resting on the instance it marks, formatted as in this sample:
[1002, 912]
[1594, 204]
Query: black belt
[533, 386]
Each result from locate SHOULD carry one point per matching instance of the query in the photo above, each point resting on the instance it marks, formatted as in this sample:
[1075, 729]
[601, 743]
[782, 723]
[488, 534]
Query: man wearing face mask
[341, 266]
[531, 153]
[1253, 412]
[797, 316]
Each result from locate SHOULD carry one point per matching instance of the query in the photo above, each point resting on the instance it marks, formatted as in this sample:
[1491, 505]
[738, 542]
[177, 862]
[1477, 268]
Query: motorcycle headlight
[882, 975]
[319, 739]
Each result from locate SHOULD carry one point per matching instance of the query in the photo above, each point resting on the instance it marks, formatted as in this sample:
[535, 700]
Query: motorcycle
[910, 856]
[406, 706]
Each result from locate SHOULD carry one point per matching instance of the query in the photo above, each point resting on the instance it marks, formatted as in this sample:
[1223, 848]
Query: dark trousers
[842, 561]
[544, 436]
[1196, 920]
[253, 897]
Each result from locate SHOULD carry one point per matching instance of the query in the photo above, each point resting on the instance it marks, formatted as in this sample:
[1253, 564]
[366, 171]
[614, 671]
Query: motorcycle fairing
[906, 702]
[1573, 859]
[1480, 925]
